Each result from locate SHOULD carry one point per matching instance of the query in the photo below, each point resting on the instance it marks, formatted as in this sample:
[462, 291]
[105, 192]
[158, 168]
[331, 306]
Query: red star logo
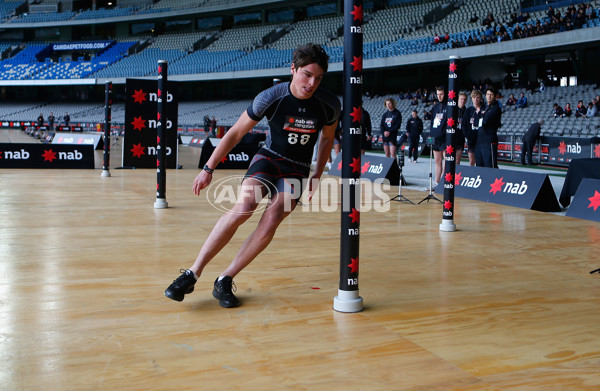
[595, 200]
[158, 116]
[497, 185]
[597, 151]
[159, 93]
[139, 96]
[451, 94]
[157, 163]
[355, 216]
[138, 123]
[49, 155]
[365, 167]
[562, 148]
[224, 159]
[357, 64]
[355, 165]
[452, 67]
[358, 13]
[157, 140]
[340, 165]
[159, 68]
[448, 178]
[447, 205]
[457, 179]
[0, 154]
[353, 265]
[291, 120]
[450, 122]
[449, 150]
[356, 114]
[137, 150]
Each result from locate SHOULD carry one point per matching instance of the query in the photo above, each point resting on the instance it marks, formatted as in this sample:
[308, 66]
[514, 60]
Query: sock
[220, 278]
[194, 274]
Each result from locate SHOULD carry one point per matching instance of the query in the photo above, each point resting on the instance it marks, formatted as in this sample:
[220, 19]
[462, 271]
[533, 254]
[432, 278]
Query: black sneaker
[181, 286]
[223, 293]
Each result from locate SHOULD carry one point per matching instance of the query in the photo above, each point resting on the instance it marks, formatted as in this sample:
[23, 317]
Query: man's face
[462, 101]
[305, 80]
[490, 97]
[477, 101]
[414, 114]
[389, 105]
[440, 95]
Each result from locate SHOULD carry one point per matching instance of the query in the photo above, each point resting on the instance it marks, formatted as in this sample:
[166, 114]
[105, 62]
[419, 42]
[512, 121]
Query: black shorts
[278, 174]
[391, 140]
[439, 143]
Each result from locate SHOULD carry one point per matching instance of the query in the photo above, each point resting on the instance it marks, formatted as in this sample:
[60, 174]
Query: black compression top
[294, 123]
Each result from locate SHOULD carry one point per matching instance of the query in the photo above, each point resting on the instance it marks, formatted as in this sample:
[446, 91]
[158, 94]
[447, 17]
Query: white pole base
[347, 301]
[105, 173]
[448, 226]
[160, 203]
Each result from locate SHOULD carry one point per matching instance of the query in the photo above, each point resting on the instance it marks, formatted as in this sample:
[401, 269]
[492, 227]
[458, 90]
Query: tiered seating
[142, 64]
[203, 61]
[242, 38]
[44, 17]
[106, 13]
[320, 30]
[7, 8]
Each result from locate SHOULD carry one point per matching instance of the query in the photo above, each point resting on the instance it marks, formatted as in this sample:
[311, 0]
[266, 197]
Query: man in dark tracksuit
[486, 150]
[414, 128]
[529, 140]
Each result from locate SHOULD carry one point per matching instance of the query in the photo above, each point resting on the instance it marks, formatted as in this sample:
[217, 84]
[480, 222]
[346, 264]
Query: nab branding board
[564, 149]
[238, 158]
[513, 188]
[46, 156]
[142, 122]
[371, 167]
[79, 139]
[586, 203]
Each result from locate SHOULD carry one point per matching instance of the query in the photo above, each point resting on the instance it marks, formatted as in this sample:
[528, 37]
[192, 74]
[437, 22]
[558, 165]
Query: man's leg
[251, 193]
[437, 155]
[278, 209]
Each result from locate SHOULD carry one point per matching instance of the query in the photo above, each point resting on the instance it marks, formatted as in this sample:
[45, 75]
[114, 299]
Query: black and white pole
[161, 138]
[107, 122]
[450, 158]
[348, 299]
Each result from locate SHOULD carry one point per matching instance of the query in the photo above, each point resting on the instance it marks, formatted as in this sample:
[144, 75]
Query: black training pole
[161, 139]
[348, 299]
[450, 159]
[107, 114]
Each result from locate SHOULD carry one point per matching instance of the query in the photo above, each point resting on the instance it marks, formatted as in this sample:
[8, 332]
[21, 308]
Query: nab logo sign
[75, 155]
[473, 183]
[376, 169]
[16, 155]
[238, 157]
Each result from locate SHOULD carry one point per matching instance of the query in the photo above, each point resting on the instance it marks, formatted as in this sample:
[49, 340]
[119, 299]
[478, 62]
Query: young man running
[297, 112]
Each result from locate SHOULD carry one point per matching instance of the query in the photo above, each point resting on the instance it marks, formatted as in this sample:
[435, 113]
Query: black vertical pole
[107, 122]
[161, 139]
[348, 299]
[450, 159]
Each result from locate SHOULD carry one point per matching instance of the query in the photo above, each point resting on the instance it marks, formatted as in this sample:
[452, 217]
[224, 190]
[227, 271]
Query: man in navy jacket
[486, 150]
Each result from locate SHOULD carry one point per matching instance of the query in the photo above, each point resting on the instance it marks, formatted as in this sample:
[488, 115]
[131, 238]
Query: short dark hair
[492, 90]
[440, 88]
[310, 53]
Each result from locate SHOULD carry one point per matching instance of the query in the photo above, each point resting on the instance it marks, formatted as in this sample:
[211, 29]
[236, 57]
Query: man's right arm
[243, 125]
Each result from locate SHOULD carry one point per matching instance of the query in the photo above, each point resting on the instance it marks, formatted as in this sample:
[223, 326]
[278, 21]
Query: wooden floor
[506, 302]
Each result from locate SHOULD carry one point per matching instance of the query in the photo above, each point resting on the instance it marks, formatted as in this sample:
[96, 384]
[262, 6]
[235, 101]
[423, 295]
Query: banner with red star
[141, 123]
[61, 156]
[586, 202]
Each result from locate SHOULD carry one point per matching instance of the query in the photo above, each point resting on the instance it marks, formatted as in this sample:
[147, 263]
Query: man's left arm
[323, 153]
